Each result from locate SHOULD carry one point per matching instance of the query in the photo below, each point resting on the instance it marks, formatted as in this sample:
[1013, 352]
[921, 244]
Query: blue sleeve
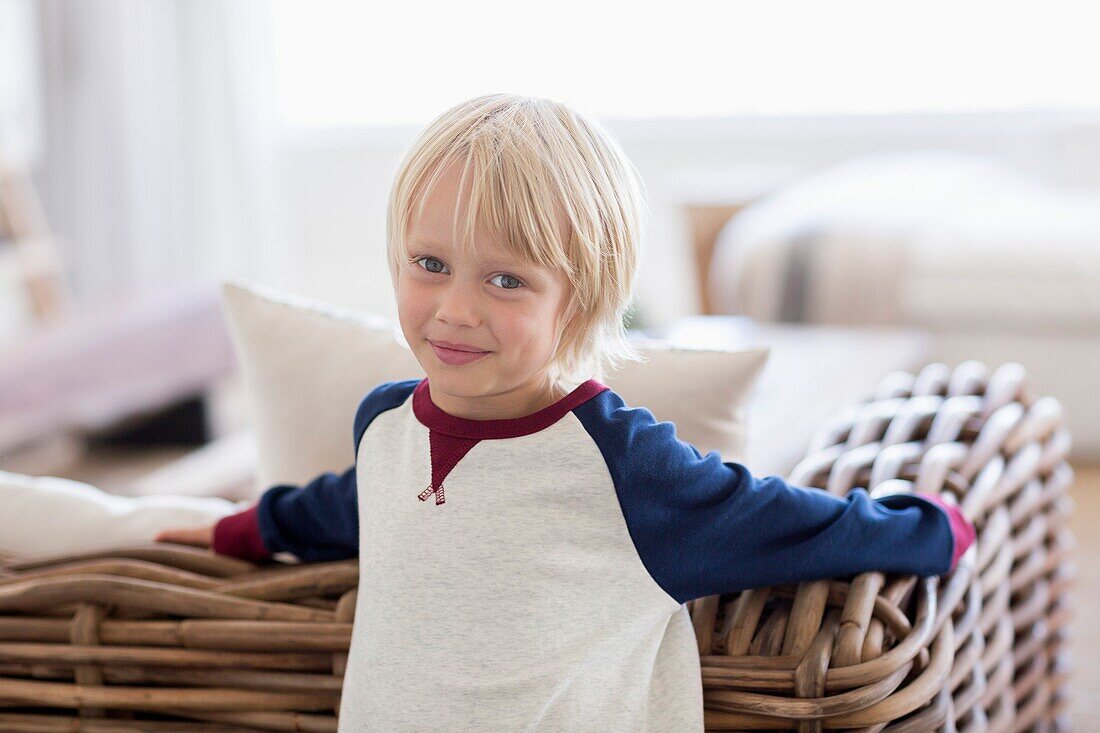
[704, 527]
[320, 521]
[315, 522]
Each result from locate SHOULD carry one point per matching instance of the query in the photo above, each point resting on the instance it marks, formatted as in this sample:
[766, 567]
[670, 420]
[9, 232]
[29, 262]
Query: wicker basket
[171, 638]
[982, 650]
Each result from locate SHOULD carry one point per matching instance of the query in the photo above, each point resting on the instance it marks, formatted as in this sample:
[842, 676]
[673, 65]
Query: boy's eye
[508, 282]
[431, 264]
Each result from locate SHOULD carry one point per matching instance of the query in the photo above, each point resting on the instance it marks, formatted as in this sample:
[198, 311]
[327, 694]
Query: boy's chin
[460, 381]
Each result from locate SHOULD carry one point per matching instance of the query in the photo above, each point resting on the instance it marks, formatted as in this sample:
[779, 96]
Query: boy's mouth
[456, 354]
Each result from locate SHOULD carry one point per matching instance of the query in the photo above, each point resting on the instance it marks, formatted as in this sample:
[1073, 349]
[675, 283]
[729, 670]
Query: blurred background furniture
[33, 287]
[133, 368]
[990, 263]
[812, 371]
[710, 199]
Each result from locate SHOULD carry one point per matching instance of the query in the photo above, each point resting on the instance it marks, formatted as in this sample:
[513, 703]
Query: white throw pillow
[307, 365]
[47, 515]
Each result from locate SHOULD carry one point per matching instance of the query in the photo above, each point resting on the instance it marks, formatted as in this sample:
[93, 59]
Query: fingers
[199, 537]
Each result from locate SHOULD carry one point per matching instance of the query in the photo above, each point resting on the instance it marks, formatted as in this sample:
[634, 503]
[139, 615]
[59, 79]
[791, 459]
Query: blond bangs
[559, 193]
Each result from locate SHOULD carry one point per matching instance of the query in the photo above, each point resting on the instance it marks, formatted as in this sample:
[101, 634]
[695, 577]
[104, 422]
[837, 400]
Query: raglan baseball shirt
[530, 574]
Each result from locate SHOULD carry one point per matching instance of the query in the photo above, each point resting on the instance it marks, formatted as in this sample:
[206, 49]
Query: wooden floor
[1085, 674]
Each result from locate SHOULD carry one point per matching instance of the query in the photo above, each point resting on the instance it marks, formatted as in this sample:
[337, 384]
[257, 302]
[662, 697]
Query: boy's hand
[199, 536]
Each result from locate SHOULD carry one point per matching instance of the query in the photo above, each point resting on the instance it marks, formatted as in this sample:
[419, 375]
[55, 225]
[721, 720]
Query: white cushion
[307, 365]
[47, 515]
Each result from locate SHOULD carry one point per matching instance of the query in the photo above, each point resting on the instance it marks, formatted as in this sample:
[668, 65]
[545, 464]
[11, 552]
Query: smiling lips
[456, 354]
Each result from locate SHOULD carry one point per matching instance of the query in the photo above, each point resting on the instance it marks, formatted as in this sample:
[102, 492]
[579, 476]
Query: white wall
[336, 184]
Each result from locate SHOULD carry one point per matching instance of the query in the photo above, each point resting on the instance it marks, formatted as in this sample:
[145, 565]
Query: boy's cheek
[410, 307]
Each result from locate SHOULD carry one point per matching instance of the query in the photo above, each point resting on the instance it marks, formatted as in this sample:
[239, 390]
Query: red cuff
[238, 535]
[962, 530]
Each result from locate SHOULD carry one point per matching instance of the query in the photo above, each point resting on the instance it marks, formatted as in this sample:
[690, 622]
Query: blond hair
[558, 190]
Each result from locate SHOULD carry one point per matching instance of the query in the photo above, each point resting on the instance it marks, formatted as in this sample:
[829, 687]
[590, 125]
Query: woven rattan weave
[171, 638]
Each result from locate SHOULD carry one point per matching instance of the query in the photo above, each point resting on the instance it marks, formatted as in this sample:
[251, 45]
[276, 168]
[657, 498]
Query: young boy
[527, 541]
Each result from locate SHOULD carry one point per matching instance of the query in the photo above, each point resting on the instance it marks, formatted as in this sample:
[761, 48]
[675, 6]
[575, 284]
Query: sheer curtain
[160, 158]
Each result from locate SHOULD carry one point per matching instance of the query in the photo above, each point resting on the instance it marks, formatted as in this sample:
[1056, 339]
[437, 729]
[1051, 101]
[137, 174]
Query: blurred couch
[992, 264]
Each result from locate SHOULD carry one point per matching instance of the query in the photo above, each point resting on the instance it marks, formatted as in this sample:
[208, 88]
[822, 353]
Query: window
[362, 64]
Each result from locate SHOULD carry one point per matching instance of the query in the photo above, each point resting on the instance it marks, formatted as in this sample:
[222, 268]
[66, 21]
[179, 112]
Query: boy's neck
[504, 406]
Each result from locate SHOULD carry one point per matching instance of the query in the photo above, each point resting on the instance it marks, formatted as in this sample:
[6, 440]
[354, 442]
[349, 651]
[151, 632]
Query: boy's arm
[703, 526]
[315, 522]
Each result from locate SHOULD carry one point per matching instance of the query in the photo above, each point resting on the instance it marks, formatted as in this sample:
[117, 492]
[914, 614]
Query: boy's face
[500, 317]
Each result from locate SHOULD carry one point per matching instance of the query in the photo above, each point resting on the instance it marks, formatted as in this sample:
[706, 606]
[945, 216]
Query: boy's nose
[458, 306]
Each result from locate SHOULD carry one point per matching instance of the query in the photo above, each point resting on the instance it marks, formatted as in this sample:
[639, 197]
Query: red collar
[433, 417]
